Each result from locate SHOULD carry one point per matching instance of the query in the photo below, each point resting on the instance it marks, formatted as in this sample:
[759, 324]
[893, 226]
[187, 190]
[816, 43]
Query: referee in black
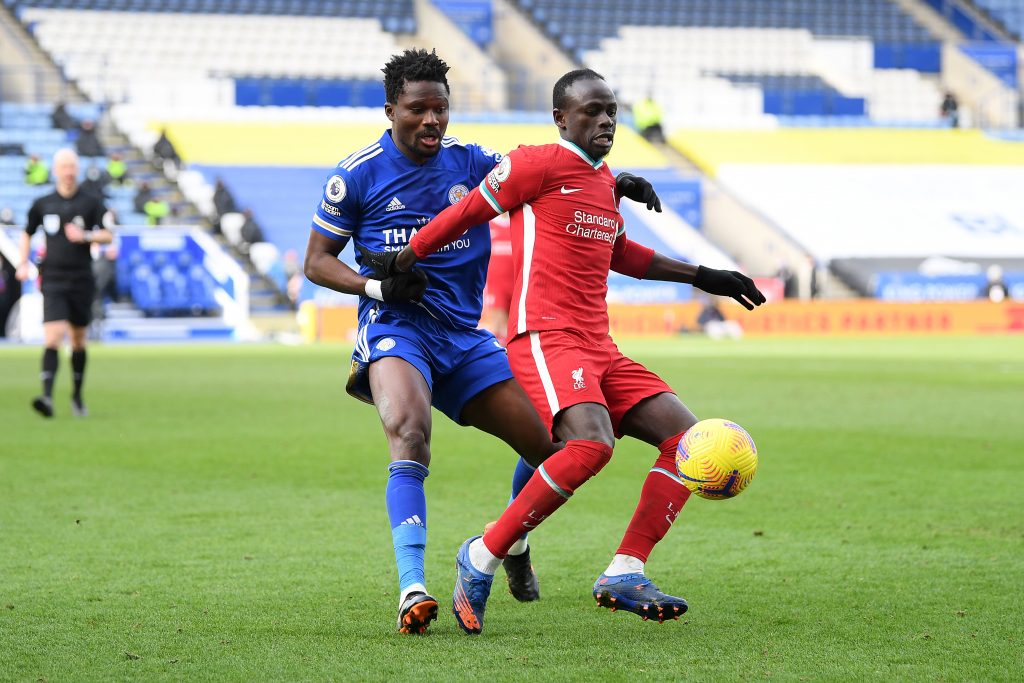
[72, 220]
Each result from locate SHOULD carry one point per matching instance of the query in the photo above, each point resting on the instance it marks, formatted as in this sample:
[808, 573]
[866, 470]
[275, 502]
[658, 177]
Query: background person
[36, 171]
[500, 279]
[715, 324]
[88, 143]
[72, 221]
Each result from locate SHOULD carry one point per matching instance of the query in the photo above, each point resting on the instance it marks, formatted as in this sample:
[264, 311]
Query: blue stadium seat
[588, 21]
[145, 291]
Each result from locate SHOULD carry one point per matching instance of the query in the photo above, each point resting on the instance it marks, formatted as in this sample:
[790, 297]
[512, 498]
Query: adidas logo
[395, 204]
[415, 519]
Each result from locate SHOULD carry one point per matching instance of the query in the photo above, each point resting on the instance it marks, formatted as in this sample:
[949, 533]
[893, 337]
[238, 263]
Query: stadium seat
[263, 256]
[200, 51]
[231, 227]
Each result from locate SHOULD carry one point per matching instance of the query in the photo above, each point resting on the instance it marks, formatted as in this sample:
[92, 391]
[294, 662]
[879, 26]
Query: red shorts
[559, 369]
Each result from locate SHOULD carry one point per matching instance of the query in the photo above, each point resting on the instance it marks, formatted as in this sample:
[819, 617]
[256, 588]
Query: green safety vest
[116, 169]
[36, 173]
[646, 113]
[155, 210]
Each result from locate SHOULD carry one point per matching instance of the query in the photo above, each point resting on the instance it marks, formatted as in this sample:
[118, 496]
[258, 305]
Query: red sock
[661, 499]
[548, 488]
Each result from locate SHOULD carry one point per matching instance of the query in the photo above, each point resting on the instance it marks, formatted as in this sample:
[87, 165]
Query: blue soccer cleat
[637, 594]
[416, 613]
[472, 588]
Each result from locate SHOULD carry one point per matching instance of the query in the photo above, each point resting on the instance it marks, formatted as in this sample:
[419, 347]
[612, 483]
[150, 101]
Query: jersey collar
[572, 147]
[391, 149]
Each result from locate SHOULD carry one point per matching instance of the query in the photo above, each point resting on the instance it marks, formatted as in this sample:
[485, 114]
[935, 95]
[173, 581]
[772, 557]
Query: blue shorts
[457, 364]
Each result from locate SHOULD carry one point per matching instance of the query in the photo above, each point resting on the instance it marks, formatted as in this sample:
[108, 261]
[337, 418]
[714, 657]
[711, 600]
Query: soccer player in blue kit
[416, 347]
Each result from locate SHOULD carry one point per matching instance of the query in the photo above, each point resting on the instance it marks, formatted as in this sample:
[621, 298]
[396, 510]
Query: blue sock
[522, 474]
[524, 471]
[407, 510]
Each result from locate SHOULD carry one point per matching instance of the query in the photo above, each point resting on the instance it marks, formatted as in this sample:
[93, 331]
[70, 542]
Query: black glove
[404, 287]
[729, 283]
[381, 262]
[638, 189]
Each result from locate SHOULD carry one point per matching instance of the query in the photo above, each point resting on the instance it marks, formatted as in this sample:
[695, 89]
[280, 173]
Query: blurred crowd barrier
[856, 317]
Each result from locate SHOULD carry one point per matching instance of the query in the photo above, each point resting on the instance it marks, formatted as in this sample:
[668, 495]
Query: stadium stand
[799, 95]
[968, 17]
[861, 199]
[261, 94]
[765, 68]
[871, 51]
[1008, 13]
[582, 24]
[27, 127]
[178, 55]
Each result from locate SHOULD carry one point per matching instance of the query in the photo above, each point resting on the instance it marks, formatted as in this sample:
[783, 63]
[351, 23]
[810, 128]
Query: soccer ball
[716, 459]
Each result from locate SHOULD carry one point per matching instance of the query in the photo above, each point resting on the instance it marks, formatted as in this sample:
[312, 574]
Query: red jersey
[567, 234]
[500, 272]
[565, 220]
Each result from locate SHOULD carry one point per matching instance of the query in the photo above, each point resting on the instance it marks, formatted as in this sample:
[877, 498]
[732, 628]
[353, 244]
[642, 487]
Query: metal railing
[31, 83]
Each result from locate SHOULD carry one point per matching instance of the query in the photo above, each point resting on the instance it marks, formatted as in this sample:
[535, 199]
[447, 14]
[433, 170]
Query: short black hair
[566, 81]
[413, 65]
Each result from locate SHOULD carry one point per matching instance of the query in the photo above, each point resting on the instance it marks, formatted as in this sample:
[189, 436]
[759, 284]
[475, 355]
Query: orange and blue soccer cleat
[416, 613]
[472, 588]
[637, 594]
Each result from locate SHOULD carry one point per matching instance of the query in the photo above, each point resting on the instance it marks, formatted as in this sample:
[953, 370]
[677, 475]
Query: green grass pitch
[220, 517]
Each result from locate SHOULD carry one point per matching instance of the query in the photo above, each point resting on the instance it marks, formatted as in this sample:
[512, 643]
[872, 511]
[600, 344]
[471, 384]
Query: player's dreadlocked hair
[566, 81]
[413, 65]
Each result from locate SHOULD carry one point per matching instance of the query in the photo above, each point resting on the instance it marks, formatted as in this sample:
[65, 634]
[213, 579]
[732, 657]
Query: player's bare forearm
[406, 259]
[327, 271]
[323, 268]
[21, 267]
[729, 283]
[25, 244]
[102, 236]
[668, 269]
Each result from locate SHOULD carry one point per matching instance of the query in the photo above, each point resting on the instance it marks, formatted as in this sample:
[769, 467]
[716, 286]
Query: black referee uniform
[66, 270]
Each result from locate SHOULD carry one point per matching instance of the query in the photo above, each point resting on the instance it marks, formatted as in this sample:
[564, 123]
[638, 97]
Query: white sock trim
[482, 559]
[414, 588]
[519, 547]
[624, 564]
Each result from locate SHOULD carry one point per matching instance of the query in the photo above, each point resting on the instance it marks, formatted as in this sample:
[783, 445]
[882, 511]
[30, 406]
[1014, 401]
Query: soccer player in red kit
[500, 278]
[567, 234]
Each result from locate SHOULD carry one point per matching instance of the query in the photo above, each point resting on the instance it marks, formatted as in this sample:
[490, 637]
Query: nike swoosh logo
[568, 190]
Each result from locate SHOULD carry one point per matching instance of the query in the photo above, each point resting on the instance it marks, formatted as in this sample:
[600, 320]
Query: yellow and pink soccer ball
[716, 459]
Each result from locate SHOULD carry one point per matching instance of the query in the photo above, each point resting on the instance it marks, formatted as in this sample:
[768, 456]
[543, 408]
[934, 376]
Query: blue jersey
[380, 198]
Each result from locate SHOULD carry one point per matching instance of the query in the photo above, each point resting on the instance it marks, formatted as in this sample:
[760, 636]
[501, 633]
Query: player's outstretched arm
[638, 189]
[323, 268]
[731, 283]
[636, 260]
[445, 227]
